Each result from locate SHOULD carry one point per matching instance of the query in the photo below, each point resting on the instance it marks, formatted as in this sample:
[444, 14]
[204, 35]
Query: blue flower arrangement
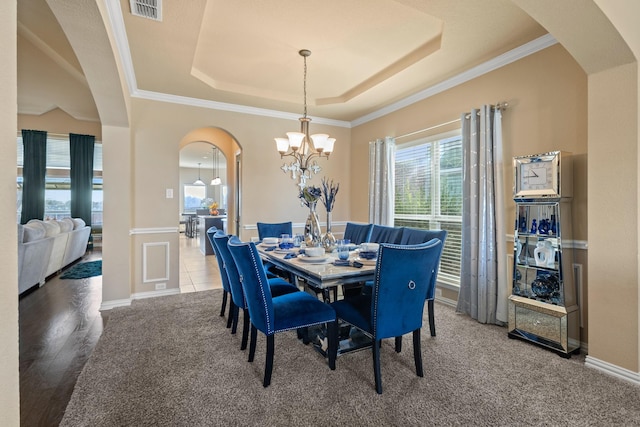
[310, 195]
[329, 191]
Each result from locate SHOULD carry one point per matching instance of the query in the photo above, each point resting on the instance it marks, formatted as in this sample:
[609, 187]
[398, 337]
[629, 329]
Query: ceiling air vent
[150, 9]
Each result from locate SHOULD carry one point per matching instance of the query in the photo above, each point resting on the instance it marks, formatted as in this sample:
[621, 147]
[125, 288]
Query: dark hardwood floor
[60, 324]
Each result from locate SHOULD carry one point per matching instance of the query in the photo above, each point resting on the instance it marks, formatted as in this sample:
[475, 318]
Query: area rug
[84, 270]
[170, 361]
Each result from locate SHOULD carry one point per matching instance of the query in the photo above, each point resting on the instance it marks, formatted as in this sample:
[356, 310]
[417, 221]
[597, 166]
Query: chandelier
[302, 147]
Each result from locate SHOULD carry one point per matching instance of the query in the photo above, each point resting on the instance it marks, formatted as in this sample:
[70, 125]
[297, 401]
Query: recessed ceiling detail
[349, 58]
[243, 54]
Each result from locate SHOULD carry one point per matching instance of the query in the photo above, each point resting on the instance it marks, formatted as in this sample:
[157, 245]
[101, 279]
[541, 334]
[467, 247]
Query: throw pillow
[51, 228]
[78, 223]
[66, 225]
[33, 231]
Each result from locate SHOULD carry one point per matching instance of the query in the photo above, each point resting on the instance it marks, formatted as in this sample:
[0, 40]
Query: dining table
[324, 274]
[324, 277]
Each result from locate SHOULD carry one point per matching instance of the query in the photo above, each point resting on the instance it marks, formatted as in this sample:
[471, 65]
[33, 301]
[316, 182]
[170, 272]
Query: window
[428, 193]
[194, 195]
[57, 203]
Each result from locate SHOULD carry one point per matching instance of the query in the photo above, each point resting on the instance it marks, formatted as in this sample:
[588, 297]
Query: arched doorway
[230, 152]
[205, 154]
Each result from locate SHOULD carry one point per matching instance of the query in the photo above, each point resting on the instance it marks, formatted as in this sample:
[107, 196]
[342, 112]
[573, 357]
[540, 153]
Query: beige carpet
[170, 361]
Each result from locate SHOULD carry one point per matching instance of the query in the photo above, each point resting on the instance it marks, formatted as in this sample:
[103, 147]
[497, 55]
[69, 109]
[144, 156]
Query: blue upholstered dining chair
[226, 288]
[381, 234]
[266, 229]
[277, 286]
[412, 236]
[395, 306]
[385, 234]
[272, 315]
[274, 229]
[357, 233]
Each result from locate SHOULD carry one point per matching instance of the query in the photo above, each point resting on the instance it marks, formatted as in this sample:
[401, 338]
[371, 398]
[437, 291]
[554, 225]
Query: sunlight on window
[194, 195]
[428, 194]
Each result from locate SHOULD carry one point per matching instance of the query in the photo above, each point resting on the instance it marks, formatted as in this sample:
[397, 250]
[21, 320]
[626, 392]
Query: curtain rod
[498, 106]
[426, 129]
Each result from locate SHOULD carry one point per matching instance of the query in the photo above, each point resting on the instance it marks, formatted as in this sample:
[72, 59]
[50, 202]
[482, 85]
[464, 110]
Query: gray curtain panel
[33, 174]
[81, 151]
[381, 181]
[483, 263]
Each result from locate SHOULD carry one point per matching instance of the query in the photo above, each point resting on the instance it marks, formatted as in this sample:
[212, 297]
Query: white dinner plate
[366, 261]
[267, 246]
[314, 259]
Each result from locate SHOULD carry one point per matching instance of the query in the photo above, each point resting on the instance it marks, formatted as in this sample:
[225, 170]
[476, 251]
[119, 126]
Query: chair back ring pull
[412, 284]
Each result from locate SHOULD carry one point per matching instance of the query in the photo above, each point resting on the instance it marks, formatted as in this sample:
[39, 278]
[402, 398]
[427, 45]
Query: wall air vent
[150, 9]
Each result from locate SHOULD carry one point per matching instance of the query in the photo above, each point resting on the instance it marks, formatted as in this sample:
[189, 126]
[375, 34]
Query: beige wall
[9, 379]
[614, 153]
[160, 130]
[613, 139]
[547, 96]
[116, 214]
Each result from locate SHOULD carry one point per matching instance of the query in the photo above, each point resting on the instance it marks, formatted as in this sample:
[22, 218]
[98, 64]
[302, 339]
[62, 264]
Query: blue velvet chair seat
[299, 310]
[357, 309]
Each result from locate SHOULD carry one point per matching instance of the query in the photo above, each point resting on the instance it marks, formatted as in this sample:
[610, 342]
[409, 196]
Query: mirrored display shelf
[540, 284]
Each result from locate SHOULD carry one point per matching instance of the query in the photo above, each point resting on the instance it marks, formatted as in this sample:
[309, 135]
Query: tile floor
[197, 271]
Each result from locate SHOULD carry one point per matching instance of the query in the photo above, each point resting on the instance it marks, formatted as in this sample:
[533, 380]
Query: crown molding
[236, 108]
[114, 14]
[513, 55]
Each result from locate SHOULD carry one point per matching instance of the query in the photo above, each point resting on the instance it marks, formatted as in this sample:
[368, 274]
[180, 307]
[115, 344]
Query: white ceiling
[366, 54]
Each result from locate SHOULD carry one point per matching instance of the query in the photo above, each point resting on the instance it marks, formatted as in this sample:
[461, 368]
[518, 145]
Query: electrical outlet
[161, 286]
[169, 193]
[438, 293]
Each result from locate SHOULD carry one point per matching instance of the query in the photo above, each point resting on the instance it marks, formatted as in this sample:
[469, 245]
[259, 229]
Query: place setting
[314, 255]
[367, 254]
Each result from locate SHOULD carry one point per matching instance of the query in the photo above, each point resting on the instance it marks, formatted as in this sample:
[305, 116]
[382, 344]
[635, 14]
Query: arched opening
[205, 155]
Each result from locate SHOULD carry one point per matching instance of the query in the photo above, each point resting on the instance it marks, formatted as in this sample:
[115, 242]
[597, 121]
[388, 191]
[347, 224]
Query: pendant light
[199, 181]
[214, 169]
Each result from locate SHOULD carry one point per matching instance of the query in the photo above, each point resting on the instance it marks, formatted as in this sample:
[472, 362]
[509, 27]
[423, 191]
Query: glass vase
[328, 239]
[312, 232]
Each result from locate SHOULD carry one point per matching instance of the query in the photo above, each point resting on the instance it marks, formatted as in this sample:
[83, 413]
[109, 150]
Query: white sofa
[46, 247]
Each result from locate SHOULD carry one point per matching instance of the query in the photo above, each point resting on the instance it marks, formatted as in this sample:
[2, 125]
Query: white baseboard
[611, 369]
[447, 301]
[153, 294]
[108, 305]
